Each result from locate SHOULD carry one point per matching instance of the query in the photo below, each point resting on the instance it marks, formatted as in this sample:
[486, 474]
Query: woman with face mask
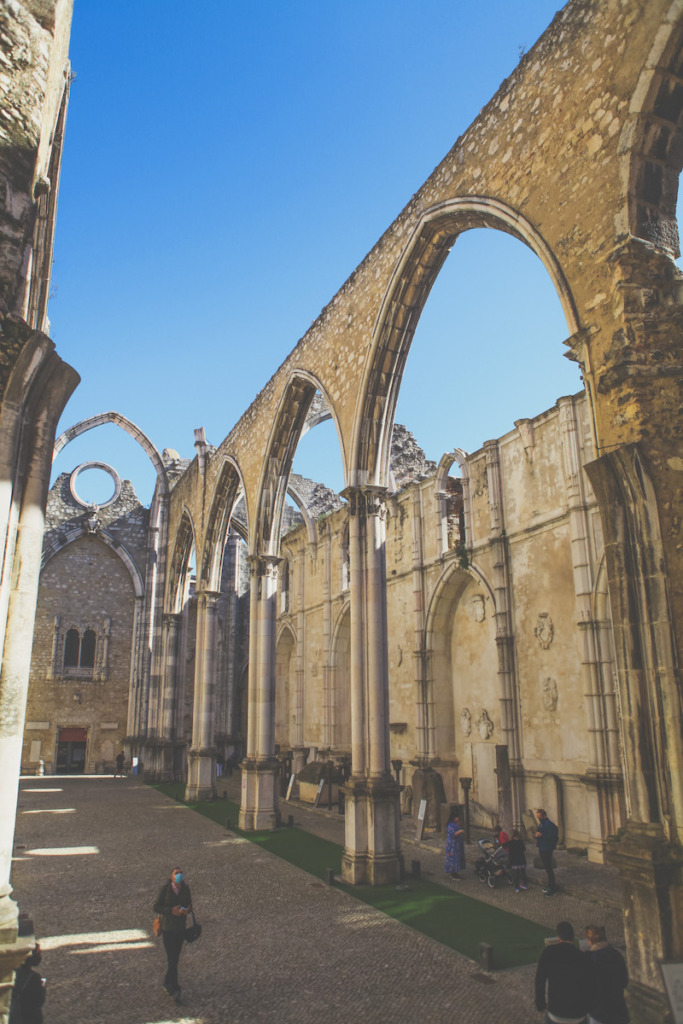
[173, 904]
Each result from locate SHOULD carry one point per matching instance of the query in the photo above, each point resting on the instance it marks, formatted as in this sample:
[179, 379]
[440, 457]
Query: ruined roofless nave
[518, 609]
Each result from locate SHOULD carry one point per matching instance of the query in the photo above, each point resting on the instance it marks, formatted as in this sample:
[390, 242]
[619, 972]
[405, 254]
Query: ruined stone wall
[34, 40]
[455, 617]
[85, 586]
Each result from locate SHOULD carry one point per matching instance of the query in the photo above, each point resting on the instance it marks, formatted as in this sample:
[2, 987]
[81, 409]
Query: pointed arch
[340, 698]
[423, 257]
[226, 494]
[284, 438]
[652, 141]
[70, 534]
[130, 428]
[179, 565]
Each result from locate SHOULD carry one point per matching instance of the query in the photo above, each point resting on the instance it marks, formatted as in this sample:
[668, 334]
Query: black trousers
[173, 944]
[547, 862]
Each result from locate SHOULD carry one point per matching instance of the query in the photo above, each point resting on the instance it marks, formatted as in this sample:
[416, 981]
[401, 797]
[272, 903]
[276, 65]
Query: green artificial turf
[450, 917]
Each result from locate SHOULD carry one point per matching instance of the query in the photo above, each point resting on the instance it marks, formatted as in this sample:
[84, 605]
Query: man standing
[546, 841]
[564, 980]
[120, 758]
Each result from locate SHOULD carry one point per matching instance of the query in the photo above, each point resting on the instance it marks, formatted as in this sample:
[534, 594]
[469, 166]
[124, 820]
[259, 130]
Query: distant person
[546, 841]
[610, 978]
[120, 761]
[173, 904]
[564, 980]
[517, 856]
[28, 994]
[455, 846]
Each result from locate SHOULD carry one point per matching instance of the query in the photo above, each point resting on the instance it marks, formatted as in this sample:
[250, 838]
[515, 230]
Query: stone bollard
[290, 821]
[415, 868]
[485, 956]
[329, 876]
[41, 768]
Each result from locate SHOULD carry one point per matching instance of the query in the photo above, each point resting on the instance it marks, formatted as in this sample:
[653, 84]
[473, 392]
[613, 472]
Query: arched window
[72, 648]
[79, 651]
[87, 659]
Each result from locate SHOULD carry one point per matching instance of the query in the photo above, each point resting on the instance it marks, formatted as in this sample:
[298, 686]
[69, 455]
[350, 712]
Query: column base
[652, 884]
[201, 774]
[372, 853]
[259, 809]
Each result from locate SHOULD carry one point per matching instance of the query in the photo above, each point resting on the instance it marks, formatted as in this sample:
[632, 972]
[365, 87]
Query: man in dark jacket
[610, 978]
[546, 841]
[173, 904]
[564, 979]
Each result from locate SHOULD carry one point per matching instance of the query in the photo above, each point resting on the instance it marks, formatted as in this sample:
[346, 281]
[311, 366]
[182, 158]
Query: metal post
[466, 783]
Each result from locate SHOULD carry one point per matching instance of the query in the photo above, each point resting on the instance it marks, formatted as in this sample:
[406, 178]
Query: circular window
[93, 485]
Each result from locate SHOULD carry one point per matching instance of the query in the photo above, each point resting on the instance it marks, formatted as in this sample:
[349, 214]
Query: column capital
[208, 597]
[263, 565]
[366, 500]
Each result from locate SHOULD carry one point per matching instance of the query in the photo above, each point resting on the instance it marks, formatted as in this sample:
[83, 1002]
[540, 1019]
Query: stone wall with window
[83, 649]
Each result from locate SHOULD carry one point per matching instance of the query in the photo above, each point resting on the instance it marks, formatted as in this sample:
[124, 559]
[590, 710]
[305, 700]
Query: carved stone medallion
[544, 631]
[466, 721]
[549, 694]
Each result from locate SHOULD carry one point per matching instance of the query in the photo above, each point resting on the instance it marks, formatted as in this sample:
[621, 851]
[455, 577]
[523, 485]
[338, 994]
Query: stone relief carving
[544, 631]
[478, 608]
[549, 694]
[466, 721]
[485, 725]
[93, 523]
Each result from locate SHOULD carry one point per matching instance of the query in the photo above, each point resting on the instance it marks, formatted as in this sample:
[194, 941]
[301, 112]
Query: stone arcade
[523, 612]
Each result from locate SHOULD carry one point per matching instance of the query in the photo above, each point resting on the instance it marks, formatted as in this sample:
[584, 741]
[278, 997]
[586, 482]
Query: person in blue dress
[455, 846]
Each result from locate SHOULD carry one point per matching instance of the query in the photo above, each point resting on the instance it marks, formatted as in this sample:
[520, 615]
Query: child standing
[517, 854]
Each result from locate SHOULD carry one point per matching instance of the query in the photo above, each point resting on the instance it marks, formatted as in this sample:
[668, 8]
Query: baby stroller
[493, 865]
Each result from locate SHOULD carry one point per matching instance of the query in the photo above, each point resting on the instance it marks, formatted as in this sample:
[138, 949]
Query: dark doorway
[71, 745]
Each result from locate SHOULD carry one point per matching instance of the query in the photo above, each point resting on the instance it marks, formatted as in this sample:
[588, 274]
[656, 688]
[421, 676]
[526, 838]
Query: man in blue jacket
[546, 841]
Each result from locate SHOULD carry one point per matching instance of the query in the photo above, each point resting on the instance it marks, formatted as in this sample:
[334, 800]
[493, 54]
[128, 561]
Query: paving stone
[277, 944]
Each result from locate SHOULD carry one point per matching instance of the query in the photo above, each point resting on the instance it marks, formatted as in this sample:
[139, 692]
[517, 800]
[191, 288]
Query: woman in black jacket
[173, 904]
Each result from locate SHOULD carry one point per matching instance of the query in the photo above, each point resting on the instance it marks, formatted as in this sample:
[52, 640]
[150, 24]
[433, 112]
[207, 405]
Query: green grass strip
[458, 921]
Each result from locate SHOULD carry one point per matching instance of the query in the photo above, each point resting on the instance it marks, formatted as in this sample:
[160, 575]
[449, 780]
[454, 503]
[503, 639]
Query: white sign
[290, 786]
[319, 793]
[673, 983]
[421, 820]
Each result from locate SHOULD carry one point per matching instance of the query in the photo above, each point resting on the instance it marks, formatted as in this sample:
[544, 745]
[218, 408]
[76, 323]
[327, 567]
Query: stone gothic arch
[416, 271]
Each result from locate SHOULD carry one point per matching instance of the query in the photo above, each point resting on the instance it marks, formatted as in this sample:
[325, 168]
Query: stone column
[201, 781]
[172, 627]
[372, 852]
[37, 391]
[504, 635]
[604, 776]
[260, 797]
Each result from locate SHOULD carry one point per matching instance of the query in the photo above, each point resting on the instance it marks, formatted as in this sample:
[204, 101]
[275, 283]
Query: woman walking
[173, 904]
[455, 846]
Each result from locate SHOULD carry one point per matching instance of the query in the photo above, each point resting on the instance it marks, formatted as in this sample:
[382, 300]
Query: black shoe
[167, 991]
[176, 996]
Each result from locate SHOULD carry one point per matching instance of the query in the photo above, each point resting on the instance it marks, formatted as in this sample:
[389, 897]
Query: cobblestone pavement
[277, 945]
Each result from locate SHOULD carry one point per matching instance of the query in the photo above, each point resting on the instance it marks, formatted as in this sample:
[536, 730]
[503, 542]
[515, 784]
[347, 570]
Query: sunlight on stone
[112, 947]
[25, 790]
[52, 810]
[63, 851]
[135, 935]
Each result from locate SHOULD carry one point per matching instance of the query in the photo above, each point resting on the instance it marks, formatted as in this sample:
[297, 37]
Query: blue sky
[227, 166]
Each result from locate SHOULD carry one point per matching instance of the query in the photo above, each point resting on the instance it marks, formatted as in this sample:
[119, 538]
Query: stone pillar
[260, 796]
[504, 635]
[201, 781]
[38, 389]
[172, 628]
[649, 852]
[372, 852]
[604, 776]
